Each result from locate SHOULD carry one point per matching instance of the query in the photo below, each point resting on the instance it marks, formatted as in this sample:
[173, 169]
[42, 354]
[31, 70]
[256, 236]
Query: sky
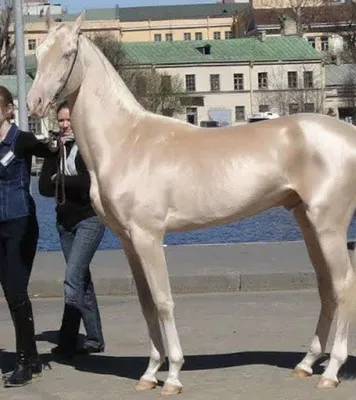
[74, 6]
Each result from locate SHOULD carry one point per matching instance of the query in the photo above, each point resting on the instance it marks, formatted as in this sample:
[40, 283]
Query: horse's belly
[202, 207]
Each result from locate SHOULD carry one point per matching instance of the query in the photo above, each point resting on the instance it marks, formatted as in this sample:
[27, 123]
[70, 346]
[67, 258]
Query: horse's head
[57, 66]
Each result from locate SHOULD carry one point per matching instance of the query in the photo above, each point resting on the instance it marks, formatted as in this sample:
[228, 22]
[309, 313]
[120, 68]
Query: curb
[193, 269]
[196, 284]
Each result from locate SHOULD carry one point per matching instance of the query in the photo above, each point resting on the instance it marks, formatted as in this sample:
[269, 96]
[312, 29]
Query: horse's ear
[79, 21]
[49, 19]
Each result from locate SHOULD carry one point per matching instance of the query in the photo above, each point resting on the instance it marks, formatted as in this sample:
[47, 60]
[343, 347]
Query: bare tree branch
[156, 92]
[7, 44]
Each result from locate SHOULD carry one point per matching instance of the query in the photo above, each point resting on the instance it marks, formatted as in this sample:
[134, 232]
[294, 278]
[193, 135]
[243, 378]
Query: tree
[302, 12]
[112, 50]
[347, 29]
[299, 92]
[156, 92]
[7, 44]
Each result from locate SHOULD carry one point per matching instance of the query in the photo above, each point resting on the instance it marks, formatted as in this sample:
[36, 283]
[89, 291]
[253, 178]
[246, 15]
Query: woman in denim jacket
[18, 235]
[80, 232]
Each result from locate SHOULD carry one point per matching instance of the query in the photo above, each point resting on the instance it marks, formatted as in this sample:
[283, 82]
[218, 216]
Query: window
[190, 83]
[192, 115]
[239, 113]
[308, 79]
[293, 108]
[205, 49]
[309, 107]
[187, 36]
[263, 108]
[217, 35]
[31, 44]
[311, 41]
[347, 42]
[292, 79]
[215, 82]
[166, 83]
[158, 37]
[228, 35]
[141, 86]
[34, 125]
[169, 37]
[262, 80]
[198, 36]
[238, 81]
[324, 44]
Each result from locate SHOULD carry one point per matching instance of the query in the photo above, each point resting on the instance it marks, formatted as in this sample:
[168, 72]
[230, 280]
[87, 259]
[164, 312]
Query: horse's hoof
[143, 385]
[171, 389]
[301, 373]
[326, 383]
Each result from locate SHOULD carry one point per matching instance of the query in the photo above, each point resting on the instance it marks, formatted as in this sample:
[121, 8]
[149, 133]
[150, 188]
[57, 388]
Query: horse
[152, 174]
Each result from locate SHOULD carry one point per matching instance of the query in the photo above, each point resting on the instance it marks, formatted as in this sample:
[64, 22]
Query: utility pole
[20, 65]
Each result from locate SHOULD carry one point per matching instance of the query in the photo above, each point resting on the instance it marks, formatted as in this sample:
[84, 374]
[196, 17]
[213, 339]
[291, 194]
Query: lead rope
[60, 174]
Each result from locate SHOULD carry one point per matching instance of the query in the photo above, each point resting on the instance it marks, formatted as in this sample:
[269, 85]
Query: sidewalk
[236, 347]
[192, 269]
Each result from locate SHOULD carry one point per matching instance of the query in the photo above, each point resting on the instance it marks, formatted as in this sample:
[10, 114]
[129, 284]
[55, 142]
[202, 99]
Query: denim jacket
[16, 152]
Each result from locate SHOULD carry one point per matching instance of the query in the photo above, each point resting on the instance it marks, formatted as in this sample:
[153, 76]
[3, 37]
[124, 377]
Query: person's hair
[6, 99]
[62, 105]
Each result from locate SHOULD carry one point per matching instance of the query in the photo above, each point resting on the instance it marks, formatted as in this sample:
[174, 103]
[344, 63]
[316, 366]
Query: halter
[59, 92]
[59, 181]
[60, 174]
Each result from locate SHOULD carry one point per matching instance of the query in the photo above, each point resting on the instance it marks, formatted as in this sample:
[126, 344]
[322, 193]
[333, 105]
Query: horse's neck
[104, 110]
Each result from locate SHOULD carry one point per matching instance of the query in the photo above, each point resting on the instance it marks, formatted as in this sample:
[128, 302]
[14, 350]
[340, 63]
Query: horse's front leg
[148, 380]
[149, 250]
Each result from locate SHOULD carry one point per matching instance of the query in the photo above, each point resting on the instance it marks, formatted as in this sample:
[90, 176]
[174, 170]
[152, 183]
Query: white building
[227, 81]
[39, 8]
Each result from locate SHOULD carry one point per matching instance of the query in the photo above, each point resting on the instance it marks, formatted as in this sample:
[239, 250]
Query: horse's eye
[67, 55]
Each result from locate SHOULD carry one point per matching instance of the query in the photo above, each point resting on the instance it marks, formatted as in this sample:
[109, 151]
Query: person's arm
[28, 145]
[46, 184]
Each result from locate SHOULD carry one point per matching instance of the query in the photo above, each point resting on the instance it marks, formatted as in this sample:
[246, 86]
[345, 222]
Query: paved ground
[192, 269]
[237, 346]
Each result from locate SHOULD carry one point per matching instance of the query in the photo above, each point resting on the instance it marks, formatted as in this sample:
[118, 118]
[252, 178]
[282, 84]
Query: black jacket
[77, 205]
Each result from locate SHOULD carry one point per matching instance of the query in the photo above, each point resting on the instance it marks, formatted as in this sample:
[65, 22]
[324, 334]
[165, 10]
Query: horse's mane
[116, 83]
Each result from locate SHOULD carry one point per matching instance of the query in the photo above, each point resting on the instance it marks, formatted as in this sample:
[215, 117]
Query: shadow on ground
[133, 367]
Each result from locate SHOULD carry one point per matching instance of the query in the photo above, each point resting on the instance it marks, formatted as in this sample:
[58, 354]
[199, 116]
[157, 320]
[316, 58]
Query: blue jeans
[79, 246]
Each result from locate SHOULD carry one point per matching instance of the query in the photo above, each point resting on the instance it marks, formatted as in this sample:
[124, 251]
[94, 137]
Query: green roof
[10, 82]
[283, 48]
[153, 13]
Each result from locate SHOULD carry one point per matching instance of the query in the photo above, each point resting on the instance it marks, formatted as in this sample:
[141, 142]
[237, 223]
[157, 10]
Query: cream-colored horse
[151, 174]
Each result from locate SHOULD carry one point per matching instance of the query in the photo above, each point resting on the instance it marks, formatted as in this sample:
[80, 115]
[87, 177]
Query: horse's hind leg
[330, 226]
[328, 305]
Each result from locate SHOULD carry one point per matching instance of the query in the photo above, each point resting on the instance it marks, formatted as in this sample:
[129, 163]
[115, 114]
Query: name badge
[8, 157]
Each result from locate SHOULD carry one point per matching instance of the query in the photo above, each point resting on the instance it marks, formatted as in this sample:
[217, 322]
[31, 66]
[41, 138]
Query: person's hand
[53, 177]
[53, 145]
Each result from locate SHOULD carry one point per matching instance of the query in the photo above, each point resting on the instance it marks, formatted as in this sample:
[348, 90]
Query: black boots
[28, 363]
[22, 375]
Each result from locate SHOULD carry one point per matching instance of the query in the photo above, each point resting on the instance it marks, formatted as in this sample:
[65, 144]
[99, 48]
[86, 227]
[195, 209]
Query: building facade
[229, 81]
[340, 92]
[329, 26]
[145, 24]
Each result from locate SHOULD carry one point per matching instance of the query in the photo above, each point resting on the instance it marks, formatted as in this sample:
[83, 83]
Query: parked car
[263, 116]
